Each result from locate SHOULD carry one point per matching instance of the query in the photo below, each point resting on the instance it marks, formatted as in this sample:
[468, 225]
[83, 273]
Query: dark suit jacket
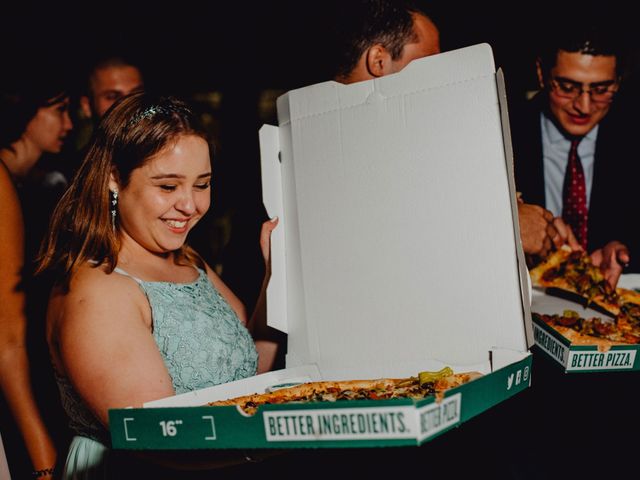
[614, 197]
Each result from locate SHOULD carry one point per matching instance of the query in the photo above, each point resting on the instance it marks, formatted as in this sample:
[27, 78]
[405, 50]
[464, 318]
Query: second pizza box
[581, 358]
[397, 252]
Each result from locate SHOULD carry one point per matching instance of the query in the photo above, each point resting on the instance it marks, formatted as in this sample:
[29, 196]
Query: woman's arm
[102, 337]
[14, 365]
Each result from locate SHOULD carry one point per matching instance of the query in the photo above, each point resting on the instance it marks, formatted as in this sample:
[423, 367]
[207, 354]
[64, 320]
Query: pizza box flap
[398, 235]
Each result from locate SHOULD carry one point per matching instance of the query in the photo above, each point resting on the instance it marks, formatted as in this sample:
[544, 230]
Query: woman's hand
[265, 241]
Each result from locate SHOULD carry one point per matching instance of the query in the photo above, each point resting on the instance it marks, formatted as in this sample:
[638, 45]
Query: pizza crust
[576, 338]
[310, 391]
[552, 261]
[306, 390]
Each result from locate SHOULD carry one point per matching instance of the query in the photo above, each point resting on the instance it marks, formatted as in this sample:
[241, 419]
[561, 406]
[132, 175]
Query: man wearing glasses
[569, 145]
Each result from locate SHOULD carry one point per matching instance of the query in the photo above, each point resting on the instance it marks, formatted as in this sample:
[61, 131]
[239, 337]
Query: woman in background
[15, 379]
[33, 121]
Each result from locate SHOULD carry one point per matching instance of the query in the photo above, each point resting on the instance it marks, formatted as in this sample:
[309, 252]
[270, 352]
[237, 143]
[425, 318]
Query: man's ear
[85, 106]
[378, 60]
[540, 73]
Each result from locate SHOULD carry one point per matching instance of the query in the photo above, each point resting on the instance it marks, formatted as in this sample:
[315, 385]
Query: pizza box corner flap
[272, 199]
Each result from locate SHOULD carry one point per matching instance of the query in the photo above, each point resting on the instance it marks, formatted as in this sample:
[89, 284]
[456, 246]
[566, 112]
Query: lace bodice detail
[199, 336]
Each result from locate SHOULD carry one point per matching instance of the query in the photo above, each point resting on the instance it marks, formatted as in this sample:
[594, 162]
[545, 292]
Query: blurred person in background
[34, 121]
[109, 79]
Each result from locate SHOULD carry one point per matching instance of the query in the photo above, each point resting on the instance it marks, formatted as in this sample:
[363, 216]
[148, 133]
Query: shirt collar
[555, 136]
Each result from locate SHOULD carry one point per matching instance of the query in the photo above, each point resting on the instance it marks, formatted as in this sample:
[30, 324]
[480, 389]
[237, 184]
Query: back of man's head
[364, 23]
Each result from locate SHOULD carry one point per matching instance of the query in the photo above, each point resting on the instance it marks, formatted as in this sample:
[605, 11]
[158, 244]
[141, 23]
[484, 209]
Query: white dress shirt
[555, 152]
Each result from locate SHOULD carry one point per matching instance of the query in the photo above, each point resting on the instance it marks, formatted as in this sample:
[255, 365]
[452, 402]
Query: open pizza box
[582, 358]
[397, 252]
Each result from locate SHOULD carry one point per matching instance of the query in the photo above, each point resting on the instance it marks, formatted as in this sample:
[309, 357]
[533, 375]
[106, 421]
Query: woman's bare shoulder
[90, 276]
[94, 285]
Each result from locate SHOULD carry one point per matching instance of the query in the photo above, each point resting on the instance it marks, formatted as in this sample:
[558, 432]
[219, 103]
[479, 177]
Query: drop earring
[114, 204]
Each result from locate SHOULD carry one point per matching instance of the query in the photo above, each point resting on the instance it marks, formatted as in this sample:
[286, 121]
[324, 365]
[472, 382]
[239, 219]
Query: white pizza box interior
[581, 358]
[397, 252]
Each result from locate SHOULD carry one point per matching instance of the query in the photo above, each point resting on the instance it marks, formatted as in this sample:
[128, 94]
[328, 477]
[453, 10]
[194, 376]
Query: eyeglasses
[602, 92]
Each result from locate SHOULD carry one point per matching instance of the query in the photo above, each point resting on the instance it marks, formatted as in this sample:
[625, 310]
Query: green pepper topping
[430, 377]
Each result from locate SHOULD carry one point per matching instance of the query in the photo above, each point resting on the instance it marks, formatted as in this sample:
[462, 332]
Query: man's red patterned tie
[574, 196]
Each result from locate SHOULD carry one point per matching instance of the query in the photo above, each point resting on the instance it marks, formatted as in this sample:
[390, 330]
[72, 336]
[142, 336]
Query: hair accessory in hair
[152, 110]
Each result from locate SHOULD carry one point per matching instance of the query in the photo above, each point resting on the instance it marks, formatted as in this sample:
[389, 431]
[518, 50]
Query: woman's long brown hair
[134, 130]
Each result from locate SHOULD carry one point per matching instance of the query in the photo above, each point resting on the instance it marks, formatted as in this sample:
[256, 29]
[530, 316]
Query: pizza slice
[426, 384]
[574, 272]
[550, 272]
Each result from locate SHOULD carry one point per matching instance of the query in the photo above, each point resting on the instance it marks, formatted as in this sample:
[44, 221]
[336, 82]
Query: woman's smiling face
[166, 196]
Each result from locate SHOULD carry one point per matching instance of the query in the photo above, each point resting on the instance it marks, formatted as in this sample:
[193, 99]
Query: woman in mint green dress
[137, 315]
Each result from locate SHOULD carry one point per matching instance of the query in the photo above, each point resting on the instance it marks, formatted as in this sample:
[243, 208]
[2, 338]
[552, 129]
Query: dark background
[234, 59]
[190, 46]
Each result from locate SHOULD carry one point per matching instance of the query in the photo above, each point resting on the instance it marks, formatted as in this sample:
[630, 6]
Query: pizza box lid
[398, 239]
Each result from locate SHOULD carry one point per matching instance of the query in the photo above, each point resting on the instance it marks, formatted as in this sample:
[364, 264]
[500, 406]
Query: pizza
[573, 272]
[628, 297]
[422, 386]
[589, 331]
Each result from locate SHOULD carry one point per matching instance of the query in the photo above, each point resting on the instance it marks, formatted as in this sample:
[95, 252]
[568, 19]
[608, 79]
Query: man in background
[109, 79]
[571, 144]
[574, 148]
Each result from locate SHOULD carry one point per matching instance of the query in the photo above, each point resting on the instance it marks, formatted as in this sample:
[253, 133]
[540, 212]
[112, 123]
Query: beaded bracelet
[43, 472]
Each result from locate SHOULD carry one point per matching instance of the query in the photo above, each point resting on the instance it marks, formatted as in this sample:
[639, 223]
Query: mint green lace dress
[202, 343]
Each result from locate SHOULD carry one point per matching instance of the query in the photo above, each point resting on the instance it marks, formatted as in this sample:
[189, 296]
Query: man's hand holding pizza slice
[541, 232]
[611, 260]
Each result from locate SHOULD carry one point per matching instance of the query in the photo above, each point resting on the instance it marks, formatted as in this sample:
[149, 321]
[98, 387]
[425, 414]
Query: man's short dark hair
[588, 39]
[364, 23]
